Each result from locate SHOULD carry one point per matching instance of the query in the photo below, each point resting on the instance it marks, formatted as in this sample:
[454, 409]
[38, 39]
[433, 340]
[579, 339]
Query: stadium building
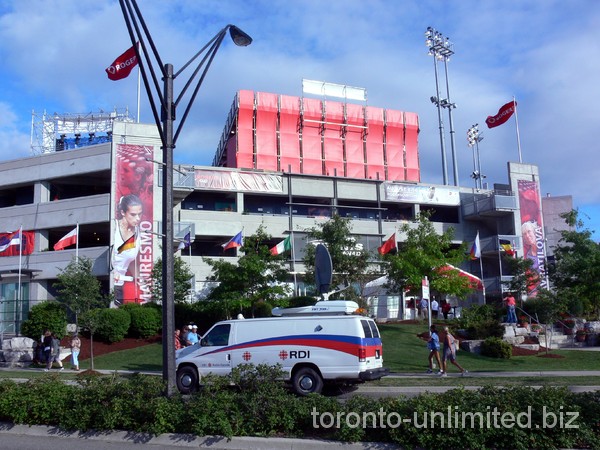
[285, 163]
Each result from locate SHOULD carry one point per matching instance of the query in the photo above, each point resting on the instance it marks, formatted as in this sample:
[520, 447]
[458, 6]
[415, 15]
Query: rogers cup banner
[123, 65]
[132, 244]
[532, 230]
[503, 115]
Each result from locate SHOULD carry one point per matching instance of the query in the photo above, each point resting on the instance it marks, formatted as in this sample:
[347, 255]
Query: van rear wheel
[187, 380]
[307, 381]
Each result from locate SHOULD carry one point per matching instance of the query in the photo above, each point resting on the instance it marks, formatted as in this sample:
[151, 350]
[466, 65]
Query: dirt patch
[102, 348]
[518, 351]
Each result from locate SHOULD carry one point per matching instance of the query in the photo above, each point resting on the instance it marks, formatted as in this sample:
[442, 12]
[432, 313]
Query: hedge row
[259, 405]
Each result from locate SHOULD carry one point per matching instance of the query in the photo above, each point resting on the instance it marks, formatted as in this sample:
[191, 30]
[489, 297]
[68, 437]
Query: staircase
[554, 339]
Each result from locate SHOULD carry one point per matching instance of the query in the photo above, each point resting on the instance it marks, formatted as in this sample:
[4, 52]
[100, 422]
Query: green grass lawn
[403, 351]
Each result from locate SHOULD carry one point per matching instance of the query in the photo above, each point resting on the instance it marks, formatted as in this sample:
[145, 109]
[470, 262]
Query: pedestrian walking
[433, 344]
[75, 349]
[449, 353]
[54, 353]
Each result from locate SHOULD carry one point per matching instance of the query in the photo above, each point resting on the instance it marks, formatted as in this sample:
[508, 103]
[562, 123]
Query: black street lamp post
[139, 33]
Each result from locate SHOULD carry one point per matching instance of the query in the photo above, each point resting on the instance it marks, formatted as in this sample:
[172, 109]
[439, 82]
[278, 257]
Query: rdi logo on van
[325, 343]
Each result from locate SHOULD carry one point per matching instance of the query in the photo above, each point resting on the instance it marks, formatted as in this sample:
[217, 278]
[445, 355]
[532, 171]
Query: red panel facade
[375, 169]
[394, 145]
[312, 160]
[305, 135]
[244, 132]
[413, 171]
[354, 141]
[266, 131]
[289, 141]
[333, 145]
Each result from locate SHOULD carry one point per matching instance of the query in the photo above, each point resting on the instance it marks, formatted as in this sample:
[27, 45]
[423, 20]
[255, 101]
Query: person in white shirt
[435, 306]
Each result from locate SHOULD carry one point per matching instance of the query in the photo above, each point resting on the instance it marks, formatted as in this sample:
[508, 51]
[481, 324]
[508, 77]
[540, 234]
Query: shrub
[485, 329]
[112, 324]
[496, 348]
[145, 320]
[49, 315]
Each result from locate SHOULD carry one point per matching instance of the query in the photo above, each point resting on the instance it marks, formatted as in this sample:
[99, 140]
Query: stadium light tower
[474, 137]
[147, 60]
[441, 49]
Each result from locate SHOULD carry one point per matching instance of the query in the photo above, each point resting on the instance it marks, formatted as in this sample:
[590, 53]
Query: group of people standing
[50, 350]
[424, 305]
[188, 335]
[450, 345]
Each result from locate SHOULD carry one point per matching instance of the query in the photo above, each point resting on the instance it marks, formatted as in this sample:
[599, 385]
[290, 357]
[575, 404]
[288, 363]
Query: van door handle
[228, 356]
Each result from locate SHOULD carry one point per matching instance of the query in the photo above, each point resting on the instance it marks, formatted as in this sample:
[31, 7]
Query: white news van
[313, 347]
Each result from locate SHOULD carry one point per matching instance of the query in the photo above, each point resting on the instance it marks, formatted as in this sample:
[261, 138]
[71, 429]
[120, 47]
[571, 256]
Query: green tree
[257, 276]
[575, 274]
[182, 275]
[79, 289]
[523, 274]
[423, 253]
[350, 260]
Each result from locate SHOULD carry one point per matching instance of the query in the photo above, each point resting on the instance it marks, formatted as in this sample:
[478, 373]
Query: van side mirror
[203, 342]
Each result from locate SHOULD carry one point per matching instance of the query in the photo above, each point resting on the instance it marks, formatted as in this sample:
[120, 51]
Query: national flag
[475, 252]
[283, 246]
[503, 115]
[388, 245]
[68, 239]
[10, 239]
[123, 65]
[234, 242]
[507, 247]
[185, 243]
[127, 245]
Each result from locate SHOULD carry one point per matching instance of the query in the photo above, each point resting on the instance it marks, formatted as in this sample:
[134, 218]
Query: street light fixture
[147, 59]
[441, 49]
[474, 137]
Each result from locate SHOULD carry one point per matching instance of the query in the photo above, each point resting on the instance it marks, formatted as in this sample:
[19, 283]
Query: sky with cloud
[542, 52]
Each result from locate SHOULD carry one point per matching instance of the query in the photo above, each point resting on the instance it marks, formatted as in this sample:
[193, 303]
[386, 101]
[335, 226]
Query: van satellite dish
[323, 269]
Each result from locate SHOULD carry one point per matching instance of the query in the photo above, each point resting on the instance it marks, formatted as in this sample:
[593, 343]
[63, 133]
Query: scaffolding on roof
[48, 129]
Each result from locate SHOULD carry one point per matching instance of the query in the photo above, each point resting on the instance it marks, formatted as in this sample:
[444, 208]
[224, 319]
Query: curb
[185, 440]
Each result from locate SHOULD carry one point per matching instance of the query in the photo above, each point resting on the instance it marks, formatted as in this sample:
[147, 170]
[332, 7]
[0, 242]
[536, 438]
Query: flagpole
[19, 285]
[482, 280]
[294, 263]
[77, 242]
[138, 94]
[517, 124]
[192, 278]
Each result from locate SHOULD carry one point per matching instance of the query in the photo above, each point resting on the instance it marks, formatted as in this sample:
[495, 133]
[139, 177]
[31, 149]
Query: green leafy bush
[146, 321]
[48, 315]
[496, 348]
[113, 324]
[259, 405]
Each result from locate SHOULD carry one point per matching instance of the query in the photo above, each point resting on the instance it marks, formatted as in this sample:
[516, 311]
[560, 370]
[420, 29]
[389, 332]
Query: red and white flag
[123, 65]
[503, 115]
[67, 240]
[388, 245]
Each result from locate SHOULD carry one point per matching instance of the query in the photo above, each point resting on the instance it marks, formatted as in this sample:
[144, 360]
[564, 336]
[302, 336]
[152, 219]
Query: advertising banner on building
[131, 250]
[425, 195]
[238, 181]
[532, 230]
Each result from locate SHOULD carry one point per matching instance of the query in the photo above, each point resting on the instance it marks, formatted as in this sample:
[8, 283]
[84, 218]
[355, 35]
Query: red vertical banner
[132, 244]
[532, 231]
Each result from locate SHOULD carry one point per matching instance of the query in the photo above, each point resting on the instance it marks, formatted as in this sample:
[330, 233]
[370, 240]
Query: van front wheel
[307, 381]
[187, 380]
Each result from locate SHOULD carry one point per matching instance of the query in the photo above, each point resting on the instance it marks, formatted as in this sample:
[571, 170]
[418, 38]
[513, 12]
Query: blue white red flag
[10, 239]
[234, 242]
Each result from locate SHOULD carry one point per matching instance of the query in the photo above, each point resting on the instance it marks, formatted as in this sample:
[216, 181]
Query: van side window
[366, 328]
[218, 336]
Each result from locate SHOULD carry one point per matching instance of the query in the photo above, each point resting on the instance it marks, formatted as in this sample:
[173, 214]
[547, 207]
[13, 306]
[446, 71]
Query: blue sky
[543, 52]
